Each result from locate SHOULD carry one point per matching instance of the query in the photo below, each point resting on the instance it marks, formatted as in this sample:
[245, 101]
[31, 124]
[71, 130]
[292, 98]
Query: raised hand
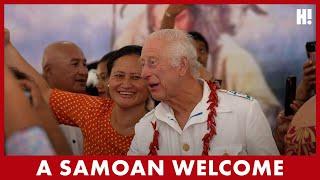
[309, 73]
[175, 9]
[170, 15]
[308, 81]
[296, 105]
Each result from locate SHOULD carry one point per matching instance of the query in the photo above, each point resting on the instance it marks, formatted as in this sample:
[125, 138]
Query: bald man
[64, 68]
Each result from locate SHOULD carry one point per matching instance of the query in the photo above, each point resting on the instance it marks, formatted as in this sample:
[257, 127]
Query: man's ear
[46, 71]
[183, 66]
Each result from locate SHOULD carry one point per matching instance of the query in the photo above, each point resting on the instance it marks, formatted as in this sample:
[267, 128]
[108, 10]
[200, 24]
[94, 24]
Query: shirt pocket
[229, 150]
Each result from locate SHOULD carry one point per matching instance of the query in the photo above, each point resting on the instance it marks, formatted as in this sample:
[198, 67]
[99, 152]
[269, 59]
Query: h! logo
[304, 16]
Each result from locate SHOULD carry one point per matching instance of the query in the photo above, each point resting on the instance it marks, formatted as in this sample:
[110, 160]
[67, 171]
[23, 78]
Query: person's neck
[123, 120]
[187, 98]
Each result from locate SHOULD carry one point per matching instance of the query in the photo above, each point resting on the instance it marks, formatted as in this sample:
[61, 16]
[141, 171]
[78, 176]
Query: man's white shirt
[74, 137]
[242, 129]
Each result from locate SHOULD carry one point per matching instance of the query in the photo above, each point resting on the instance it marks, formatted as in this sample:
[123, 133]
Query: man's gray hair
[180, 44]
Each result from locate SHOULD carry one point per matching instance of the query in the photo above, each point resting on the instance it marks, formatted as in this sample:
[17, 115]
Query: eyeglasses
[150, 62]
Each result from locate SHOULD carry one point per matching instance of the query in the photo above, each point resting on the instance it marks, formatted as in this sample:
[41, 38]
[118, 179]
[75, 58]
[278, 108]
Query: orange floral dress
[92, 115]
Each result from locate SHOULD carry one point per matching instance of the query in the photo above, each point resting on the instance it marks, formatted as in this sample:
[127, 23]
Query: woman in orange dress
[107, 125]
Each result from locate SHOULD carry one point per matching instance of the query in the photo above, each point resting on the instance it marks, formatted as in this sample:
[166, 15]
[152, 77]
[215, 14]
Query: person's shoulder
[237, 96]
[235, 100]
[147, 118]
[242, 105]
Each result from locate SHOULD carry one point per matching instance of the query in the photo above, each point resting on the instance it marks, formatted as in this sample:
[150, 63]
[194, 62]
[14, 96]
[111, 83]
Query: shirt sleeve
[258, 133]
[31, 141]
[76, 109]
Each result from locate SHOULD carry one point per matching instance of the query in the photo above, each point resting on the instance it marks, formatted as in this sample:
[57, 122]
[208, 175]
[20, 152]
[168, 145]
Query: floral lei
[211, 124]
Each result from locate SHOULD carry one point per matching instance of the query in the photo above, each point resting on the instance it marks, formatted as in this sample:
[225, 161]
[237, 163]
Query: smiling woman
[126, 86]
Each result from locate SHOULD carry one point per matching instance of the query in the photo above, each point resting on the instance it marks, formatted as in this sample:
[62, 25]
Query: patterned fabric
[92, 115]
[300, 141]
[31, 141]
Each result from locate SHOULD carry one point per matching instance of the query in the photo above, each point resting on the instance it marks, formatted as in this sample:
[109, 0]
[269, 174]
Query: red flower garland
[154, 145]
[211, 124]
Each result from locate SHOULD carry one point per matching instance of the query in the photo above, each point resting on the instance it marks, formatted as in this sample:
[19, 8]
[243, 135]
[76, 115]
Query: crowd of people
[154, 99]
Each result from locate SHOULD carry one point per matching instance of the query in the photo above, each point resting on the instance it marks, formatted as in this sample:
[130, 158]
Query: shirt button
[185, 147]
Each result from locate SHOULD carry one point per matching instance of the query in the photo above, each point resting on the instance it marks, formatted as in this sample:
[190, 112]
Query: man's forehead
[153, 45]
[61, 53]
[76, 59]
[71, 49]
[63, 60]
[70, 53]
[150, 52]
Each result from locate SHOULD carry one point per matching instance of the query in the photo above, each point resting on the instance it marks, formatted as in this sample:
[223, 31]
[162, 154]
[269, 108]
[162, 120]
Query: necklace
[211, 124]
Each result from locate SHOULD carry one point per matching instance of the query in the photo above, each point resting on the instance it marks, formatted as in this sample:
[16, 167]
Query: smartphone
[311, 50]
[290, 94]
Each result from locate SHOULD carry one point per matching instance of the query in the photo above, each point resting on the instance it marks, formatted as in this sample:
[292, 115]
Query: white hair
[180, 44]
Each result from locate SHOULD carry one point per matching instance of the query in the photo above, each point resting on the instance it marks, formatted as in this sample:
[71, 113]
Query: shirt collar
[199, 114]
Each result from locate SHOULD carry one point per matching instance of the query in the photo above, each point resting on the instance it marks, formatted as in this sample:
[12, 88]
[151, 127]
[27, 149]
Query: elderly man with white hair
[194, 116]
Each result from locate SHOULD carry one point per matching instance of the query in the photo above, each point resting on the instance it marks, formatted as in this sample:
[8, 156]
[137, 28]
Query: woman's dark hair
[124, 51]
[107, 56]
[198, 37]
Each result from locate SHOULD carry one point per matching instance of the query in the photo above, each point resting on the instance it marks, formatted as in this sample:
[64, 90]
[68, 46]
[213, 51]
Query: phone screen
[290, 94]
